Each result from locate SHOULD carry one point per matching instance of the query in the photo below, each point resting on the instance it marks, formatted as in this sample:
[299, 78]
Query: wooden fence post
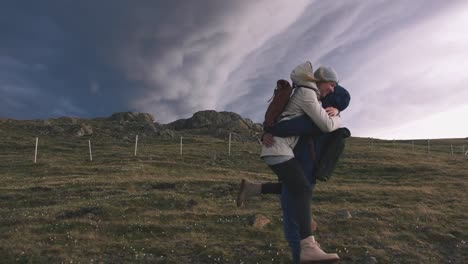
[90, 153]
[35, 151]
[229, 144]
[136, 145]
[180, 145]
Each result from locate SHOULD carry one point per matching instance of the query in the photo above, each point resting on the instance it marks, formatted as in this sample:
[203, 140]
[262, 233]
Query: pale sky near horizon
[402, 61]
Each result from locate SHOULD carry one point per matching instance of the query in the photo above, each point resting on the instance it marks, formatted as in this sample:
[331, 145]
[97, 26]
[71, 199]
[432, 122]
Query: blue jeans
[291, 228]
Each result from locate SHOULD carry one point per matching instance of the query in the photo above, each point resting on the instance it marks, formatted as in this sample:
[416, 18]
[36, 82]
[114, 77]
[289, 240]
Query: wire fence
[419, 146]
[60, 150]
[97, 149]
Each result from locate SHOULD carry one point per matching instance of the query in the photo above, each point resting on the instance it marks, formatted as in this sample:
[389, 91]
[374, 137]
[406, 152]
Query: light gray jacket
[303, 101]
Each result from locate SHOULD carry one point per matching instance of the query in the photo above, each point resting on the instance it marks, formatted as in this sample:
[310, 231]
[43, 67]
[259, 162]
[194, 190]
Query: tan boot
[248, 189]
[312, 253]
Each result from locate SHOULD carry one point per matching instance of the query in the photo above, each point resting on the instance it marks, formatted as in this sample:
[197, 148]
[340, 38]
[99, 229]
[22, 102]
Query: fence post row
[452, 150]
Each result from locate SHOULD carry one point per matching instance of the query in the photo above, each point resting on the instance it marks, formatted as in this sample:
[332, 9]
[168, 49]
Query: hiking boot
[248, 189]
[312, 253]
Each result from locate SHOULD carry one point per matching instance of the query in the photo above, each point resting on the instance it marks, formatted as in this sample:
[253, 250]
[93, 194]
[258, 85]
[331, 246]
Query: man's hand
[332, 111]
[268, 140]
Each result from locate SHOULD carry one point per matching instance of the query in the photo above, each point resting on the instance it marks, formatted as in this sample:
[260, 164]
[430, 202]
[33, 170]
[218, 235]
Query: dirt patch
[159, 186]
[90, 212]
[40, 189]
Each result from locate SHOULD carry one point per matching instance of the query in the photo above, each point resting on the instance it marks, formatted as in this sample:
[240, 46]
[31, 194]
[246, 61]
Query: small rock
[57, 130]
[451, 235]
[82, 130]
[191, 203]
[314, 225]
[167, 133]
[343, 215]
[371, 260]
[259, 221]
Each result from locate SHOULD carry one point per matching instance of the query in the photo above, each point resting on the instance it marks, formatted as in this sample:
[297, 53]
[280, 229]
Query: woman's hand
[268, 140]
[332, 111]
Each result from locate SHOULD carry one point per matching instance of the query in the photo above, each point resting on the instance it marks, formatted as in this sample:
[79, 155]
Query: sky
[401, 61]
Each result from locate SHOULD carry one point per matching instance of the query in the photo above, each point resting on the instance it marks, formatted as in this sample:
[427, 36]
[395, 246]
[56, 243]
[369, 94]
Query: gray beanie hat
[326, 74]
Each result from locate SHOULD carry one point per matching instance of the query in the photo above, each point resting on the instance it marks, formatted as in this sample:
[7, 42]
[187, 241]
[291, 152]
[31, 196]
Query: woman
[311, 87]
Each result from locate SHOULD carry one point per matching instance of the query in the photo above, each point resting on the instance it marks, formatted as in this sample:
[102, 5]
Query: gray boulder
[82, 130]
[132, 117]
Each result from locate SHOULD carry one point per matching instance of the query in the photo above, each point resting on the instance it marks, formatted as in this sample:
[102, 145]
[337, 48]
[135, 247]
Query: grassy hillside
[163, 207]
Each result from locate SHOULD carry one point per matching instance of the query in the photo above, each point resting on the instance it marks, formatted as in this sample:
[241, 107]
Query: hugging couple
[305, 143]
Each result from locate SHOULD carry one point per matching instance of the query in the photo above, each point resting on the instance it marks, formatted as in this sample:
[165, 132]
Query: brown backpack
[278, 102]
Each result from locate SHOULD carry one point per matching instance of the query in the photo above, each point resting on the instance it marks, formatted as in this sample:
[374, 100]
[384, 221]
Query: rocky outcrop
[132, 117]
[138, 123]
[219, 124]
[82, 130]
[212, 119]
[129, 124]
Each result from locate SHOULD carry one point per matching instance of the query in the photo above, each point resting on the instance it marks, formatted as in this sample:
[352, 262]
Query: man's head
[327, 79]
[339, 99]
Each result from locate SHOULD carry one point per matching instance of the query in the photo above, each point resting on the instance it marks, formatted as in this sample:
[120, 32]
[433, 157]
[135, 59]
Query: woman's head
[326, 88]
[326, 79]
[303, 74]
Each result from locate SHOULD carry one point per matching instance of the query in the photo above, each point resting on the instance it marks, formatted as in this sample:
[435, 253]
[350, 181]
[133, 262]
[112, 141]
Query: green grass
[161, 207]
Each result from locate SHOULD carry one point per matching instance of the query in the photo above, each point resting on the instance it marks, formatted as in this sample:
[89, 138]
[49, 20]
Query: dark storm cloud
[95, 55]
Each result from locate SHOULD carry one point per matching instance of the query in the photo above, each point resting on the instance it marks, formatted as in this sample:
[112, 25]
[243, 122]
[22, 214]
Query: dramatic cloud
[401, 60]
[399, 66]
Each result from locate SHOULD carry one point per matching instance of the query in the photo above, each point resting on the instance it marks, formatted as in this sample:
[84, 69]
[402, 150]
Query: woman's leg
[291, 229]
[250, 189]
[271, 188]
[292, 176]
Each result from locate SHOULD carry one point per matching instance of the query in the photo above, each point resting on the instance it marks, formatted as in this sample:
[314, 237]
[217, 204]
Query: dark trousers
[291, 174]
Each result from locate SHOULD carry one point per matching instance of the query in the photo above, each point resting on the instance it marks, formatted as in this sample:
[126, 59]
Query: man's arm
[301, 125]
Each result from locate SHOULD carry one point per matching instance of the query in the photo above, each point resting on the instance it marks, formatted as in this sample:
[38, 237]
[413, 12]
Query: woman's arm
[298, 126]
[307, 100]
